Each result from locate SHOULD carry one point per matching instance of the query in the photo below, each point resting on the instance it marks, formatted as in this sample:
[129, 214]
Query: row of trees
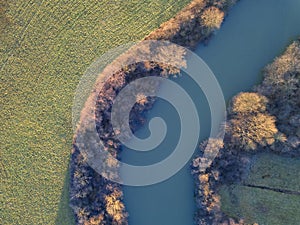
[265, 120]
[194, 23]
[270, 116]
[94, 199]
[226, 168]
[281, 85]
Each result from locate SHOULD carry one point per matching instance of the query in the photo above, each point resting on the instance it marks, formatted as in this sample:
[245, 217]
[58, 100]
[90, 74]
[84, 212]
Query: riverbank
[94, 198]
[263, 121]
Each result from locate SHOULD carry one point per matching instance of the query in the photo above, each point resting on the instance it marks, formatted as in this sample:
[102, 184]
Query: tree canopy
[251, 125]
[212, 17]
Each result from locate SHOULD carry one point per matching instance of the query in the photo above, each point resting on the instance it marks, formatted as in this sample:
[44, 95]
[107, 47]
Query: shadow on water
[64, 213]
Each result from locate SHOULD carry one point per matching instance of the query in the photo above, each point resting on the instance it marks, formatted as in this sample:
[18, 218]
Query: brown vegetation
[190, 26]
[212, 18]
[265, 120]
[207, 182]
[251, 125]
[281, 85]
[115, 208]
[250, 131]
[248, 102]
[94, 199]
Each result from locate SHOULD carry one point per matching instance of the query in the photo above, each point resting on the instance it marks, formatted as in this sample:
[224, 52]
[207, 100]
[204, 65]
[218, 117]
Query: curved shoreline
[232, 166]
[93, 197]
[208, 183]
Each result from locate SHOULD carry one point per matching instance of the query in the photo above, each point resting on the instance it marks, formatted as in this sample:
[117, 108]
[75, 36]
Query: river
[254, 32]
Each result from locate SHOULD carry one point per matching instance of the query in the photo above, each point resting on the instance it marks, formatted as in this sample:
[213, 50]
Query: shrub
[95, 220]
[250, 124]
[212, 18]
[252, 130]
[115, 208]
[249, 103]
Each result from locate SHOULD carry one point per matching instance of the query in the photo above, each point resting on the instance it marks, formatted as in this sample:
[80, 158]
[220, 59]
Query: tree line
[94, 199]
[265, 120]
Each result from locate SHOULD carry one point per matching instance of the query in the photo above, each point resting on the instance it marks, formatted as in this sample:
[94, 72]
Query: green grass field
[45, 49]
[261, 206]
[274, 171]
[267, 207]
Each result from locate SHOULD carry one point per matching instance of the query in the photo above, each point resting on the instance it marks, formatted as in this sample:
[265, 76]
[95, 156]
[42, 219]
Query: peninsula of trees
[94, 199]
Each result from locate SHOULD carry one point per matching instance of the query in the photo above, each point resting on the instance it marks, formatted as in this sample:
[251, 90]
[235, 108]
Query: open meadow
[269, 195]
[45, 48]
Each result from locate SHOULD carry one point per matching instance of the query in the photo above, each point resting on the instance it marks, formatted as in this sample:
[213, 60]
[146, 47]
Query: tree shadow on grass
[64, 214]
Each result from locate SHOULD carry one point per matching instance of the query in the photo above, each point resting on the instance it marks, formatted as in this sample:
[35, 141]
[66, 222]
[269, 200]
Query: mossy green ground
[275, 172]
[45, 49]
[266, 207]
